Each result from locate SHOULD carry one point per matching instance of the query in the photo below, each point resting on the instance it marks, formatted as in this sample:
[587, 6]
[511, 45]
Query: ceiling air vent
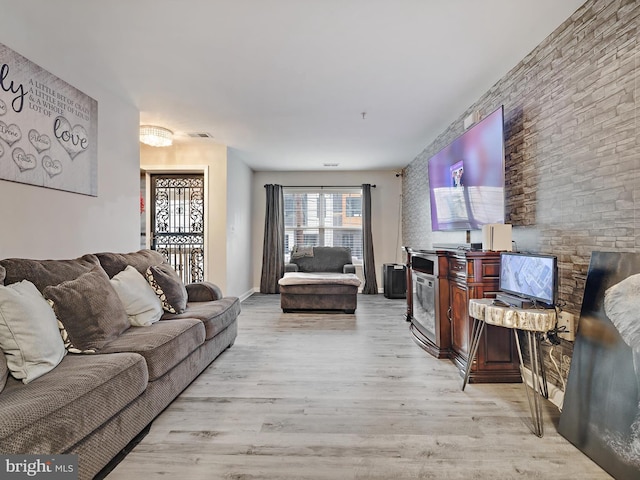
[200, 135]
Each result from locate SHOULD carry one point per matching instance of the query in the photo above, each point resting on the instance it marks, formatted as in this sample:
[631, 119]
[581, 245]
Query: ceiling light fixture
[156, 136]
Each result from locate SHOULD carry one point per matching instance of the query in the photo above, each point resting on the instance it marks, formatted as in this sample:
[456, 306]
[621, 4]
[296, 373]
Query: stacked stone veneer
[571, 147]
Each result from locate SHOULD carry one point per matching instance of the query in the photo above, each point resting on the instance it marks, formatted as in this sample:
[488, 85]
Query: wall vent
[200, 135]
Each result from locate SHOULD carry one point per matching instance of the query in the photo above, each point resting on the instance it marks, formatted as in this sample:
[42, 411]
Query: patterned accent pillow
[167, 284]
[89, 310]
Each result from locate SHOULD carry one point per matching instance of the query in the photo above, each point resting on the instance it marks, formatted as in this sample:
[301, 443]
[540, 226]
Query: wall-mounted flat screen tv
[529, 276]
[466, 178]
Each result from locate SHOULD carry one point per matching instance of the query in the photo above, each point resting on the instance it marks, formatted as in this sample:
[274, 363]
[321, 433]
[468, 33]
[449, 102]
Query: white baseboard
[556, 394]
[248, 293]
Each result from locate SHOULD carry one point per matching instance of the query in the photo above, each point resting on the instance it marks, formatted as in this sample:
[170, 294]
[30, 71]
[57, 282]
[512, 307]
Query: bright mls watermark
[50, 467]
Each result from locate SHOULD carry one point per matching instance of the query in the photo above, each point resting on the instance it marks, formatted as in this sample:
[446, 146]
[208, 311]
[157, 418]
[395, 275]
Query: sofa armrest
[290, 267]
[349, 268]
[203, 292]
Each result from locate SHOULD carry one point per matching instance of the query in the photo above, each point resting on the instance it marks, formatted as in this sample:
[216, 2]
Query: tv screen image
[466, 178]
[529, 276]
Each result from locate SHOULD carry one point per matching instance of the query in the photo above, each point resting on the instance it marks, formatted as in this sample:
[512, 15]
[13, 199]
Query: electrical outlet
[567, 320]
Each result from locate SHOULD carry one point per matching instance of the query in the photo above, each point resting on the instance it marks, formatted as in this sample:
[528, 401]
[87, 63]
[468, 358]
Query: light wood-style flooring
[336, 396]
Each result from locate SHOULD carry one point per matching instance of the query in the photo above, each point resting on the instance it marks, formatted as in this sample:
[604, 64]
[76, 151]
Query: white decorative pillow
[29, 336]
[141, 303]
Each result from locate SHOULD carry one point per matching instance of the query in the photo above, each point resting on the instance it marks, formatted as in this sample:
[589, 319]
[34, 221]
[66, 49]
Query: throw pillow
[140, 301]
[89, 310]
[167, 284]
[29, 335]
[3, 273]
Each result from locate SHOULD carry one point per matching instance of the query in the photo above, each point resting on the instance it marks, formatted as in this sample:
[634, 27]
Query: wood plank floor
[337, 396]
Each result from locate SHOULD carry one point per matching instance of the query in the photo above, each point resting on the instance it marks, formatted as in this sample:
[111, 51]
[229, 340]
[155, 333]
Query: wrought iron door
[177, 222]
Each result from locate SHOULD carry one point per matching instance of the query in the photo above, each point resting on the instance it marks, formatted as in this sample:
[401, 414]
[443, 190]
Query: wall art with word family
[48, 129]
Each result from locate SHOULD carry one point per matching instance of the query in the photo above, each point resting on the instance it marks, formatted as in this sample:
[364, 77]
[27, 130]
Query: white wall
[239, 231]
[42, 223]
[228, 209]
[194, 155]
[385, 206]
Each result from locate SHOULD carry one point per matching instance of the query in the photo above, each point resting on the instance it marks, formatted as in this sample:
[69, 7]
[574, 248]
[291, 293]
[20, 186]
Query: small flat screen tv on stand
[528, 280]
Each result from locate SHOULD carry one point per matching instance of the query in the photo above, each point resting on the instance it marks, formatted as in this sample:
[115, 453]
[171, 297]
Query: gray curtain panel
[273, 246]
[370, 282]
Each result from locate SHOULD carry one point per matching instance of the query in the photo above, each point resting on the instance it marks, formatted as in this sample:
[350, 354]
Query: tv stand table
[532, 322]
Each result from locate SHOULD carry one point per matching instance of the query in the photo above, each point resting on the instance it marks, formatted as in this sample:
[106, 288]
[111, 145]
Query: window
[323, 217]
[354, 206]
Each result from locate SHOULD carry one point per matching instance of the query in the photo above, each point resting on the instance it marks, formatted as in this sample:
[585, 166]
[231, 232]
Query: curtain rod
[321, 186]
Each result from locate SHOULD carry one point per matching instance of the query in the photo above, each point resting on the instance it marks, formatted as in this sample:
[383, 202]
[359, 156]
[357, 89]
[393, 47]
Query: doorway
[177, 222]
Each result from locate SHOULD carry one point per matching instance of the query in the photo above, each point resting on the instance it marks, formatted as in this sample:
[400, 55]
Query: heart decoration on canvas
[3, 107]
[1, 150]
[51, 166]
[10, 133]
[40, 142]
[25, 161]
[74, 139]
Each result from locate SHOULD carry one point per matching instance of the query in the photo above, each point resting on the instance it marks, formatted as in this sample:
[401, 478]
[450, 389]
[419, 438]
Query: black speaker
[394, 278]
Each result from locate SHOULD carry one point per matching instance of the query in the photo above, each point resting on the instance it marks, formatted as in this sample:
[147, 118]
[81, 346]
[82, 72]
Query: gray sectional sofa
[94, 404]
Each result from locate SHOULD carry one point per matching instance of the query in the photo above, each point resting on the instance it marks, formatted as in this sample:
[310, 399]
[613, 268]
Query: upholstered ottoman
[319, 291]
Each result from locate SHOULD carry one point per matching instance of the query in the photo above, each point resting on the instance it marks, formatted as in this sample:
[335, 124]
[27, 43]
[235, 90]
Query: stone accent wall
[572, 148]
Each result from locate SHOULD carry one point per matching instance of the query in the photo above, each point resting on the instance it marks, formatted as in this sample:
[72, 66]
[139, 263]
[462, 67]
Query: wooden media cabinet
[440, 284]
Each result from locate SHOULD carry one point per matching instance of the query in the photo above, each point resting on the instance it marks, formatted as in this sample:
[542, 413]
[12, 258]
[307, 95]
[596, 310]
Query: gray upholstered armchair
[320, 259]
[319, 278]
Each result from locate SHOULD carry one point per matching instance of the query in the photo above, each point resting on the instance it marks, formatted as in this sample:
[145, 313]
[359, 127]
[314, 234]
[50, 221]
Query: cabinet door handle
[449, 313]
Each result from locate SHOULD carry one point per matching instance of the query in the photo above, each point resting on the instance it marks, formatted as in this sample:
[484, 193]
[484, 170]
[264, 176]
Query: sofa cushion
[43, 273]
[319, 278]
[55, 411]
[29, 336]
[325, 259]
[89, 310]
[216, 315]
[163, 344]
[168, 286]
[140, 300]
[114, 263]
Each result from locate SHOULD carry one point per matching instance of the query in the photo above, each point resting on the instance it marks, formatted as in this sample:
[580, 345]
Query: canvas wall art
[48, 129]
[601, 414]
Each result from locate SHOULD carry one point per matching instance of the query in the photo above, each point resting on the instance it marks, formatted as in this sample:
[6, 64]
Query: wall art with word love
[48, 129]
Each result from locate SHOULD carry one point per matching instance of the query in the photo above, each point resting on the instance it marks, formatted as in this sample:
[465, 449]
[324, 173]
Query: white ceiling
[285, 82]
